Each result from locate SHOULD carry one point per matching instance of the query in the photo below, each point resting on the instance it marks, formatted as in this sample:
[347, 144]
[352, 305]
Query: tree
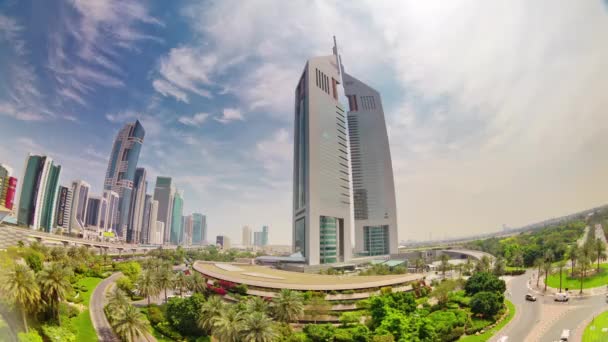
[319, 332]
[600, 251]
[256, 304]
[20, 288]
[228, 325]
[209, 312]
[184, 313]
[547, 266]
[419, 265]
[287, 306]
[34, 260]
[561, 264]
[165, 279]
[573, 256]
[499, 266]
[517, 258]
[442, 291]
[130, 324]
[583, 264]
[538, 263]
[483, 282]
[55, 284]
[147, 285]
[197, 283]
[257, 327]
[468, 266]
[317, 306]
[445, 264]
[483, 265]
[180, 282]
[117, 302]
[486, 304]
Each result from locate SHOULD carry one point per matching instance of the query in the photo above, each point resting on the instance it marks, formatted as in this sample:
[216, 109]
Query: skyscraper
[321, 184]
[223, 242]
[145, 223]
[64, 208]
[136, 211]
[121, 171]
[80, 201]
[96, 215]
[8, 187]
[176, 219]
[373, 184]
[246, 240]
[257, 239]
[197, 229]
[111, 221]
[264, 235]
[38, 193]
[187, 228]
[156, 235]
[164, 192]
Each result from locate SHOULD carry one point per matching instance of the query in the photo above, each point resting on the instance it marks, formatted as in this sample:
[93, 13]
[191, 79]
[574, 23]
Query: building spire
[338, 58]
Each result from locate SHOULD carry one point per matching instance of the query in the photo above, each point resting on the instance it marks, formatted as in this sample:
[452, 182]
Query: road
[545, 319]
[98, 317]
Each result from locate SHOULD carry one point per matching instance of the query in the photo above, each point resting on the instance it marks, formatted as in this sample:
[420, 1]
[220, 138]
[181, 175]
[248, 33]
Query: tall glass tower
[136, 208]
[321, 178]
[38, 193]
[176, 222]
[121, 171]
[164, 193]
[197, 228]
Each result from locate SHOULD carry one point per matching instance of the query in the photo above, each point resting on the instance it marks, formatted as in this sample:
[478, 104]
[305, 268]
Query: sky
[496, 110]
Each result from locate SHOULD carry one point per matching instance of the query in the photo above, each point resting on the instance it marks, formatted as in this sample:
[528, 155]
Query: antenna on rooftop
[338, 58]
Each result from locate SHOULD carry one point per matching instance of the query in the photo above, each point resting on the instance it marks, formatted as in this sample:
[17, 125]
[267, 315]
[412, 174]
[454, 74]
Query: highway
[545, 319]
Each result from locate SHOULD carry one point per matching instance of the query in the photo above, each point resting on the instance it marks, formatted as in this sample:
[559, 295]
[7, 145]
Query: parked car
[561, 297]
[530, 298]
[565, 335]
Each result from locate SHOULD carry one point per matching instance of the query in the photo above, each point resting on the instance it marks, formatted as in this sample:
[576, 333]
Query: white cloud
[230, 115]
[185, 69]
[196, 120]
[14, 112]
[275, 153]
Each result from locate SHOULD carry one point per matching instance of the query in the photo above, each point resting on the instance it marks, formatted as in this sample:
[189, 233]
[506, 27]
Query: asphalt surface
[545, 319]
[98, 317]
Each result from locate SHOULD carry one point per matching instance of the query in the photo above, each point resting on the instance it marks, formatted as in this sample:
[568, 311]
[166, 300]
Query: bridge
[11, 235]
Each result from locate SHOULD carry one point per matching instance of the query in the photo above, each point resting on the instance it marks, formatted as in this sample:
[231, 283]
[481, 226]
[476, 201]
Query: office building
[120, 175]
[187, 227]
[145, 223]
[38, 193]
[96, 216]
[264, 236]
[176, 219]
[164, 193]
[64, 208]
[111, 220]
[246, 240]
[321, 178]
[155, 237]
[80, 200]
[136, 211]
[199, 229]
[159, 232]
[222, 242]
[8, 187]
[257, 239]
[372, 170]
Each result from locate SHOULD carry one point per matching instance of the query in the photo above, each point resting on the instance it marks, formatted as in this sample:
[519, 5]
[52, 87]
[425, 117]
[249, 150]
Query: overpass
[11, 235]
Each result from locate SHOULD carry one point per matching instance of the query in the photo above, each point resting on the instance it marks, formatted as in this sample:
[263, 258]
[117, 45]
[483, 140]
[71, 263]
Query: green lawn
[488, 334]
[593, 331]
[82, 322]
[595, 280]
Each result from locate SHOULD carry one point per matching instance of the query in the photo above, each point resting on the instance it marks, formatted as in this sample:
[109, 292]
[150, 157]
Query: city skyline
[468, 141]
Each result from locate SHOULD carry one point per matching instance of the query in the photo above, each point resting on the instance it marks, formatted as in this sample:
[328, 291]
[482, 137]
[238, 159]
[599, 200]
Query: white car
[565, 335]
[503, 339]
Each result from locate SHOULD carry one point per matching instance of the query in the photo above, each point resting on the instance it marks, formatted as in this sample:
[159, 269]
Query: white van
[561, 297]
[565, 335]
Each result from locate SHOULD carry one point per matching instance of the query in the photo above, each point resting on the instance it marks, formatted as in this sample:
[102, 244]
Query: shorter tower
[246, 240]
[38, 193]
[64, 208]
[80, 201]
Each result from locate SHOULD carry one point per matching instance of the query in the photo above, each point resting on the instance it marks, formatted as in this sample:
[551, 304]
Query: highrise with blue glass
[121, 171]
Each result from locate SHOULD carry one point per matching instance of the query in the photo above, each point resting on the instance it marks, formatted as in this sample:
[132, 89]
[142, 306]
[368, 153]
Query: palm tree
[499, 266]
[165, 279]
[117, 302]
[55, 284]
[181, 282]
[468, 266]
[210, 310]
[547, 266]
[256, 304]
[583, 262]
[228, 325]
[419, 265]
[538, 263]
[197, 283]
[257, 327]
[517, 258]
[573, 255]
[147, 284]
[288, 305]
[130, 324]
[600, 251]
[445, 264]
[561, 264]
[19, 286]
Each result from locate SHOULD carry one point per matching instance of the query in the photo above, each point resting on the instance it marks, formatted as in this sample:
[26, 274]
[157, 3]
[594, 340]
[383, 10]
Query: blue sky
[496, 111]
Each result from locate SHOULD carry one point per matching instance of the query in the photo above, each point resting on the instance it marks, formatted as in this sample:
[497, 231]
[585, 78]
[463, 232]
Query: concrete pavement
[98, 317]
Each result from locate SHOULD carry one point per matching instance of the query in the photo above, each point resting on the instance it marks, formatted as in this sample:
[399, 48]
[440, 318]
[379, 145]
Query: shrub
[240, 289]
[125, 284]
[386, 290]
[383, 338]
[165, 329]
[343, 335]
[31, 336]
[476, 325]
[58, 334]
[348, 291]
[484, 282]
[486, 303]
[183, 314]
[34, 260]
[68, 310]
[155, 315]
[319, 332]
